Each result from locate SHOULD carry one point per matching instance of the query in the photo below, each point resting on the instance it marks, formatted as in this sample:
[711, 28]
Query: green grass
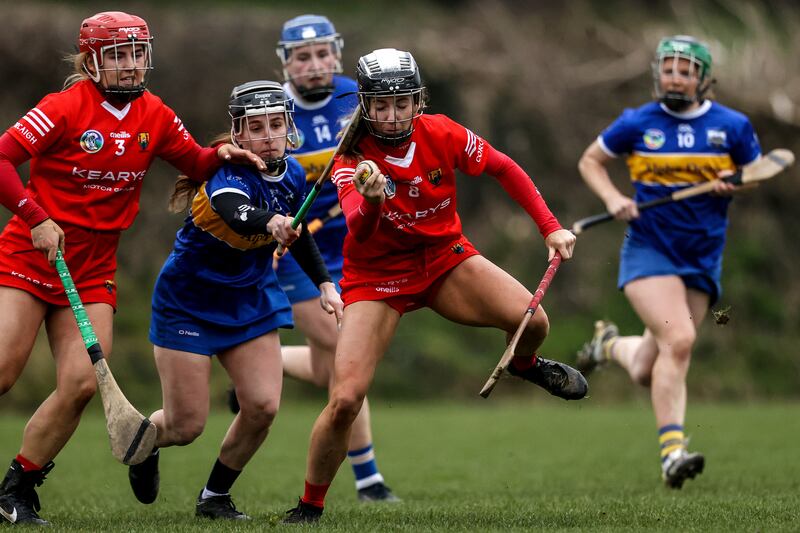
[474, 466]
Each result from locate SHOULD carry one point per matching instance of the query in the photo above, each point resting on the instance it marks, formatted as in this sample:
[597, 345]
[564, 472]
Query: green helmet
[696, 51]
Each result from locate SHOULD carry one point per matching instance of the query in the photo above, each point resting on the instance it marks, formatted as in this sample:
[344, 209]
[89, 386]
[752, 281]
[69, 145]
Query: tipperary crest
[654, 138]
[143, 139]
[457, 248]
[91, 141]
[435, 177]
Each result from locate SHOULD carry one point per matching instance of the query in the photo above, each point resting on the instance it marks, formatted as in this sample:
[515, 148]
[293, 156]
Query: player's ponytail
[185, 187]
[78, 72]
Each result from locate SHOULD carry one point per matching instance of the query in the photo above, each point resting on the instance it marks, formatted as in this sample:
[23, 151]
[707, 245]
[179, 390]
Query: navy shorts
[198, 316]
[639, 260]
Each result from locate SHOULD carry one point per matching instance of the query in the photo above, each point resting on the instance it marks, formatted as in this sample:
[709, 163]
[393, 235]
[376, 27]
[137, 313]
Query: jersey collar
[279, 177]
[688, 115]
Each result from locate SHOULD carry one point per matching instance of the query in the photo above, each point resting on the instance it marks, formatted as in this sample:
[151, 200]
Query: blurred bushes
[539, 81]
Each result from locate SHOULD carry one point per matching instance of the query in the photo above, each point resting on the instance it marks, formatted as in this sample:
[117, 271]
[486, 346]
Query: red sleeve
[44, 125]
[519, 186]
[362, 218]
[182, 151]
[12, 194]
[197, 163]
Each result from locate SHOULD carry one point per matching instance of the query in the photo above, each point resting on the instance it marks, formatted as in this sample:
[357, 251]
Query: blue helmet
[305, 30]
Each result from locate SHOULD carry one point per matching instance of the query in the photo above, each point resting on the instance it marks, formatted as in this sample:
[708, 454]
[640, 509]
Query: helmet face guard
[120, 53]
[310, 30]
[390, 76]
[252, 107]
[669, 51]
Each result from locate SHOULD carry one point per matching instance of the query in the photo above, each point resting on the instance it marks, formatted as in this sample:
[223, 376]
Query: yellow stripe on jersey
[677, 169]
[208, 220]
[314, 162]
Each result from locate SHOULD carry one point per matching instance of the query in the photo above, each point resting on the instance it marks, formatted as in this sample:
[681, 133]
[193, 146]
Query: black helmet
[389, 73]
[262, 98]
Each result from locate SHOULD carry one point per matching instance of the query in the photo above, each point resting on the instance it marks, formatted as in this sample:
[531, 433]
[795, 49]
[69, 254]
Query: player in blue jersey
[310, 52]
[671, 259]
[218, 294]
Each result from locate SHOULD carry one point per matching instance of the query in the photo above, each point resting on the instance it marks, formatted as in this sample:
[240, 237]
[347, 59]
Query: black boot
[304, 513]
[556, 378]
[19, 503]
[145, 479]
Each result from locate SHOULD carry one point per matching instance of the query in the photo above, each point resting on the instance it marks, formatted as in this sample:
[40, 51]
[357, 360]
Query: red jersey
[422, 211]
[89, 158]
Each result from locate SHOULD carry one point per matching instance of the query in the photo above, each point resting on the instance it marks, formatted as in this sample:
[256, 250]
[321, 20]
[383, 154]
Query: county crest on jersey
[667, 151]
[89, 157]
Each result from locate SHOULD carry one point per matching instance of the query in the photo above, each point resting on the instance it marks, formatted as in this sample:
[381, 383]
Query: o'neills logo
[91, 141]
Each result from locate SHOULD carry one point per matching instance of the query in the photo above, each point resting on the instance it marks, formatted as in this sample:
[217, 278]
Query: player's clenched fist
[369, 181]
[280, 227]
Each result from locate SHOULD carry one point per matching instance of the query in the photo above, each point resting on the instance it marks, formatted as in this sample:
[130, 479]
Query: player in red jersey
[405, 250]
[90, 147]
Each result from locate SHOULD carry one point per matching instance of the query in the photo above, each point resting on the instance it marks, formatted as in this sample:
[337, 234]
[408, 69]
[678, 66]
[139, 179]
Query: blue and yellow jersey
[667, 151]
[218, 254]
[318, 124]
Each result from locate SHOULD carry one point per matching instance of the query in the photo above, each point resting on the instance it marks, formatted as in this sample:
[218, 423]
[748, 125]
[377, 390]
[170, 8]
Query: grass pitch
[475, 466]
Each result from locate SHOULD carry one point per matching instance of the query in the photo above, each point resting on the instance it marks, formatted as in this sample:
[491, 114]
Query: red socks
[523, 362]
[315, 494]
[27, 465]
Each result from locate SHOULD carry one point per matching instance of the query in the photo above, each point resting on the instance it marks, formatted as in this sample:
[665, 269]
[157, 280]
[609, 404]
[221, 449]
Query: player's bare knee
[345, 407]
[186, 431]
[680, 346]
[260, 413]
[81, 391]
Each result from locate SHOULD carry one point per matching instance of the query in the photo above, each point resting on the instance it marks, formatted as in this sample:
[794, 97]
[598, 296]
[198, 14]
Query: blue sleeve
[229, 178]
[746, 147]
[298, 175]
[620, 136]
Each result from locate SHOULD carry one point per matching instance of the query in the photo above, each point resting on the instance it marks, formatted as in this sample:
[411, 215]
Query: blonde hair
[185, 187]
[78, 70]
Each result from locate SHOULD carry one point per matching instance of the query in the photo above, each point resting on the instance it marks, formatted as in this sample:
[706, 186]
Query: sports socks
[220, 481]
[670, 438]
[365, 468]
[523, 362]
[27, 465]
[315, 494]
[608, 346]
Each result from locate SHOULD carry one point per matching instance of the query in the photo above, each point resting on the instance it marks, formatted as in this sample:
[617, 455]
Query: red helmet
[112, 29]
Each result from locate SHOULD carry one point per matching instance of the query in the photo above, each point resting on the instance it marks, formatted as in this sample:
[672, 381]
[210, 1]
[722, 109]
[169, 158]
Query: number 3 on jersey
[120, 146]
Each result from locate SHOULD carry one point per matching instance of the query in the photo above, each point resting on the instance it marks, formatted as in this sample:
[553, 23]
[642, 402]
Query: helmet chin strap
[314, 94]
[678, 102]
[116, 96]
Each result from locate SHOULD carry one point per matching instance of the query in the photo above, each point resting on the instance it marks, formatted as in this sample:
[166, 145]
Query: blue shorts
[299, 288]
[639, 260]
[198, 316]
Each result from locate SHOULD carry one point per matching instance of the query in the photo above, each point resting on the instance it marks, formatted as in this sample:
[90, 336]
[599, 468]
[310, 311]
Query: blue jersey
[226, 278]
[318, 124]
[667, 151]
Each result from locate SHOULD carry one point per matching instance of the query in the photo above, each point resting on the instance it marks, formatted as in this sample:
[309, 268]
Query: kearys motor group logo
[91, 141]
[653, 138]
